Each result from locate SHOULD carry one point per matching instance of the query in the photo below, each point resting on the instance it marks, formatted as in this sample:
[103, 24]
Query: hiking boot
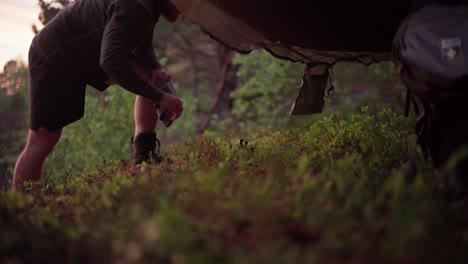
[146, 148]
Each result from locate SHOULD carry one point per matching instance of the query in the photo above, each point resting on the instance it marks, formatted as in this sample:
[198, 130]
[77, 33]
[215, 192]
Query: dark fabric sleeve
[127, 24]
[145, 54]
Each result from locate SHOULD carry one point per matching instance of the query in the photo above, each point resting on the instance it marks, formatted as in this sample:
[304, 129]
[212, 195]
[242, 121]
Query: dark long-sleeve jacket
[99, 38]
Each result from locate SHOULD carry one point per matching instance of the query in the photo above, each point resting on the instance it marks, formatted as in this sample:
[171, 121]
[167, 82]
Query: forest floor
[340, 191]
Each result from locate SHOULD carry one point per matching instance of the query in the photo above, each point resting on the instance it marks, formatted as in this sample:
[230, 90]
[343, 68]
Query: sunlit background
[16, 19]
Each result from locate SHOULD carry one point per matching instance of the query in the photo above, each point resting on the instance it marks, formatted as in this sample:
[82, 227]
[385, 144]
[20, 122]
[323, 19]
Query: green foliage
[384, 74]
[267, 91]
[185, 126]
[13, 120]
[376, 86]
[335, 192]
[264, 97]
[380, 138]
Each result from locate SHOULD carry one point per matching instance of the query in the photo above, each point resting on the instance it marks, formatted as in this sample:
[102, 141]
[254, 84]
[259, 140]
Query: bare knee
[41, 141]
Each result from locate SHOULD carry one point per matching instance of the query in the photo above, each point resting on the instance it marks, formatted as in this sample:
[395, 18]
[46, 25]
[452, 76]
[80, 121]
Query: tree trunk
[227, 82]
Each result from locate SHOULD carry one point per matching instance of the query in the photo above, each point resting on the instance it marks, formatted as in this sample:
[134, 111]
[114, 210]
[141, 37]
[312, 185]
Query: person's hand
[159, 72]
[173, 104]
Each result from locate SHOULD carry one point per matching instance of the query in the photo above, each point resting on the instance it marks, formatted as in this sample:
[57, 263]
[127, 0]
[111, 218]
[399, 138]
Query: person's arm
[127, 22]
[145, 54]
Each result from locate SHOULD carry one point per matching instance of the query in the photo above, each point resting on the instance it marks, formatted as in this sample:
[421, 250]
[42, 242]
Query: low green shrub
[336, 192]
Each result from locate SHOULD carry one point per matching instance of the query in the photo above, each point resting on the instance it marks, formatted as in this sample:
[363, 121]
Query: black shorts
[56, 94]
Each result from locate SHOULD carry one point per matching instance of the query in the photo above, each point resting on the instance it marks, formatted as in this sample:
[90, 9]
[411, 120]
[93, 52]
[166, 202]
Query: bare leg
[39, 145]
[145, 143]
[146, 116]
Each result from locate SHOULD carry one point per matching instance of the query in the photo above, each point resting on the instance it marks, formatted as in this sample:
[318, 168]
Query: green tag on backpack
[451, 49]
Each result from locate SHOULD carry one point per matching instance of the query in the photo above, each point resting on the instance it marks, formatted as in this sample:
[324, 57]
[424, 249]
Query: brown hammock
[308, 31]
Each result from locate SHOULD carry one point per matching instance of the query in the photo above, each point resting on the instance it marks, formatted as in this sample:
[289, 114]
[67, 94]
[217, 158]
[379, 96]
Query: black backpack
[431, 58]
